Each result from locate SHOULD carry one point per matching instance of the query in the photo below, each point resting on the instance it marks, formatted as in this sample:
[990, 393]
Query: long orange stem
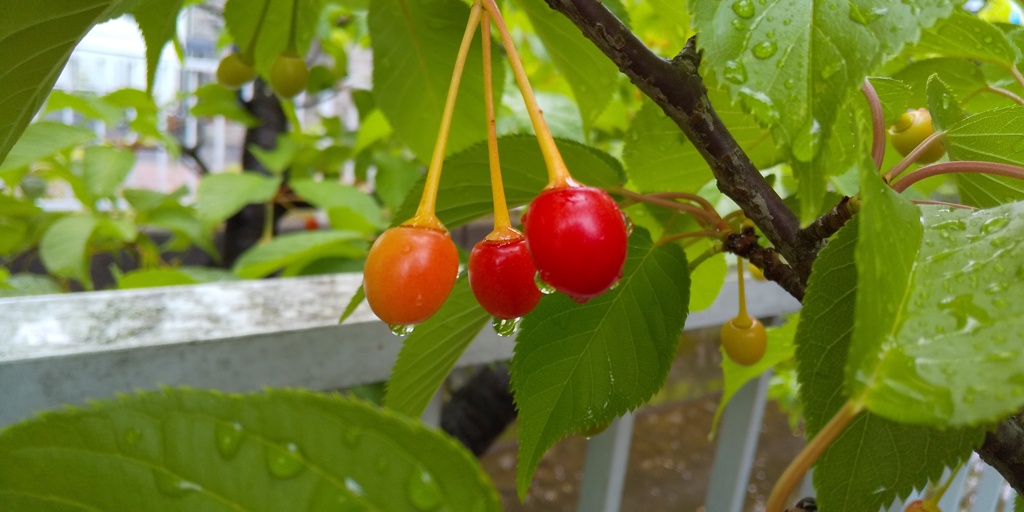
[796, 470]
[502, 222]
[425, 216]
[558, 173]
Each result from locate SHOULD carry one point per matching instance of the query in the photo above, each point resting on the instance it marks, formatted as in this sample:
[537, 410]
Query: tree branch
[678, 89]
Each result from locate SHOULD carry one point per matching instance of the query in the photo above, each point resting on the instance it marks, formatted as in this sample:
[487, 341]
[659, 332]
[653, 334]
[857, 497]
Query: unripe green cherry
[910, 130]
[288, 75]
[233, 71]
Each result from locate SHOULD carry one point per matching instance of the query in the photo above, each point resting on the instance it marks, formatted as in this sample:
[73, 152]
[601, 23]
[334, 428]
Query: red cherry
[409, 273]
[577, 239]
[501, 275]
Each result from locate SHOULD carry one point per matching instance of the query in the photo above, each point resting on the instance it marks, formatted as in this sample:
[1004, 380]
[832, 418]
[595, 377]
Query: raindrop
[999, 241]
[229, 438]
[957, 224]
[423, 491]
[830, 70]
[402, 330]
[580, 300]
[764, 50]
[760, 103]
[743, 8]
[805, 147]
[172, 485]
[997, 287]
[787, 21]
[132, 436]
[739, 25]
[735, 72]
[999, 357]
[628, 223]
[788, 84]
[351, 436]
[994, 224]
[354, 486]
[284, 461]
[615, 285]
[999, 303]
[506, 326]
[543, 286]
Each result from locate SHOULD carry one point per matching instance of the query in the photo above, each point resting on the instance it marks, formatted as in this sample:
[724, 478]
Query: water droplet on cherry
[506, 326]
[544, 287]
[402, 330]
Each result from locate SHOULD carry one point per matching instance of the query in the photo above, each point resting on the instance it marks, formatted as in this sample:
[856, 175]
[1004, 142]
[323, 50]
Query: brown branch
[745, 245]
[678, 89]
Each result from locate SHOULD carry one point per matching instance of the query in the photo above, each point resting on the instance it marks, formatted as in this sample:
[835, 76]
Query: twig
[958, 167]
[877, 123]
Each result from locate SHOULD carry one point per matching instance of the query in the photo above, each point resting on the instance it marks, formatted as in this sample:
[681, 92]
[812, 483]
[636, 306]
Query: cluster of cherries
[573, 241]
[288, 73]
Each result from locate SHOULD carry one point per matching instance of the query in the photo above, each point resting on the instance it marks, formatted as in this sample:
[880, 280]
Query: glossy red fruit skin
[409, 273]
[577, 239]
[501, 275]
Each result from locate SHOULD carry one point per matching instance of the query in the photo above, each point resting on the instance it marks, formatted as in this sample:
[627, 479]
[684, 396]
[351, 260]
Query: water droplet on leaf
[764, 50]
[805, 147]
[284, 461]
[994, 224]
[132, 436]
[173, 485]
[229, 438]
[423, 491]
[743, 8]
[735, 72]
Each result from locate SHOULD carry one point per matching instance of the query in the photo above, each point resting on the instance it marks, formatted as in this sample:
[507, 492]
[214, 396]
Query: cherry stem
[877, 123]
[709, 218]
[942, 203]
[911, 157]
[1004, 92]
[502, 222]
[248, 57]
[558, 173]
[425, 213]
[692, 234]
[1016, 75]
[292, 47]
[688, 197]
[706, 255]
[941, 491]
[742, 319]
[958, 167]
[799, 466]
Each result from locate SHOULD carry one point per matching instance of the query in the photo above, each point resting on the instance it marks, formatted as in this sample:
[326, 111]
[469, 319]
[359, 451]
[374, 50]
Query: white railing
[247, 335]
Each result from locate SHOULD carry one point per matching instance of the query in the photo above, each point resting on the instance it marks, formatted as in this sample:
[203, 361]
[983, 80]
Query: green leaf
[396, 177]
[353, 304]
[431, 351]
[780, 349]
[374, 127]
[89, 105]
[150, 278]
[591, 75]
[328, 195]
[36, 40]
[222, 195]
[22, 285]
[955, 308]
[64, 247]
[158, 20]
[993, 136]
[278, 159]
[214, 99]
[942, 104]
[895, 96]
[963, 77]
[660, 158]
[580, 365]
[202, 450]
[875, 460]
[465, 191]
[793, 64]
[105, 168]
[144, 200]
[414, 48]
[298, 249]
[42, 140]
[706, 281]
[966, 36]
